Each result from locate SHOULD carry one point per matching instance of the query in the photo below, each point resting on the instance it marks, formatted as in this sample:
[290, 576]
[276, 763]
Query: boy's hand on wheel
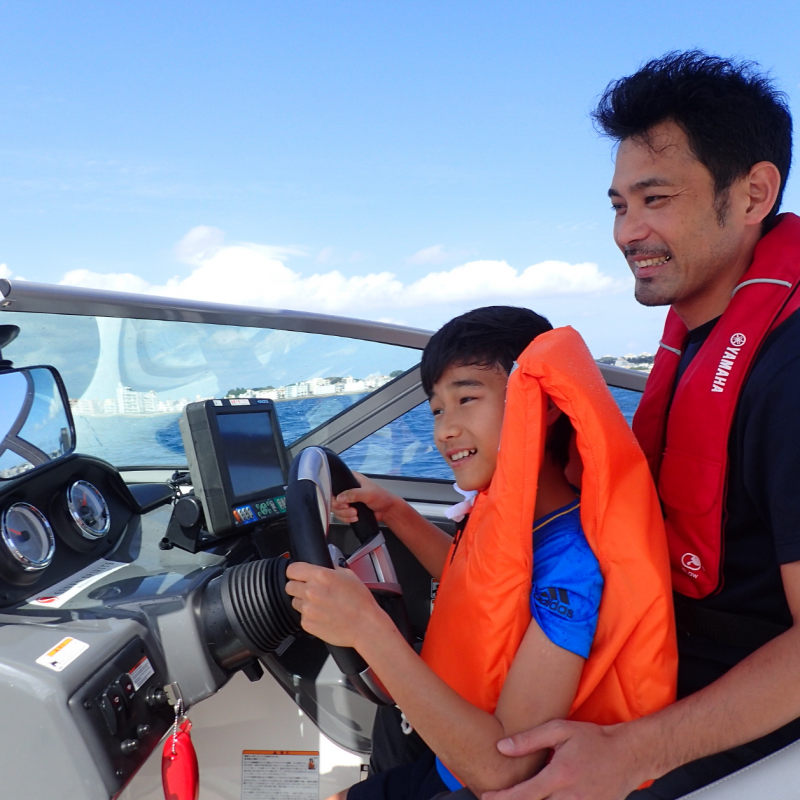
[380, 500]
[335, 605]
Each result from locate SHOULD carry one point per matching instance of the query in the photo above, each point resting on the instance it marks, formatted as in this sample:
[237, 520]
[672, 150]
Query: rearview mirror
[35, 421]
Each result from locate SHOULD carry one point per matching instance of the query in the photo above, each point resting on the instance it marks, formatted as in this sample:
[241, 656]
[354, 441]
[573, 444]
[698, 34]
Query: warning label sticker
[57, 595]
[141, 673]
[280, 774]
[63, 654]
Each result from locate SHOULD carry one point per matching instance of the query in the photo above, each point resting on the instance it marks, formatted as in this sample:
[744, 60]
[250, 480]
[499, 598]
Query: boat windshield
[129, 379]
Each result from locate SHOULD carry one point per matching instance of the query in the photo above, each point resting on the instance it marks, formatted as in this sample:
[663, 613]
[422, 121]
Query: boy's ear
[553, 412]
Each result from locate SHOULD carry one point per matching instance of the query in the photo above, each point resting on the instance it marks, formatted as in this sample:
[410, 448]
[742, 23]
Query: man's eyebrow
[645, 183]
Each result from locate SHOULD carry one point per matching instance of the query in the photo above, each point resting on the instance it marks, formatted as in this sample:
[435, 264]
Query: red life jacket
[482, 608]
[686, 442]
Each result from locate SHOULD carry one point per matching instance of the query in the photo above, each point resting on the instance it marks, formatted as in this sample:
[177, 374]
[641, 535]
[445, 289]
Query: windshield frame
[341, 431]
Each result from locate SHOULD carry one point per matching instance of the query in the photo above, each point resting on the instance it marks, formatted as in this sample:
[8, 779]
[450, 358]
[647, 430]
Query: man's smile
[651, 262]
[646, 264]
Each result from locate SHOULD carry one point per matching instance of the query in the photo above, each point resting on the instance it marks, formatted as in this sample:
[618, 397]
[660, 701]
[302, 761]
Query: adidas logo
[556, 600]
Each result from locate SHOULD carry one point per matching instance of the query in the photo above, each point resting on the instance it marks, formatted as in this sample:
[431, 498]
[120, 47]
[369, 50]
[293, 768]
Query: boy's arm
[540, 685]
[754, 698]
[427, 542]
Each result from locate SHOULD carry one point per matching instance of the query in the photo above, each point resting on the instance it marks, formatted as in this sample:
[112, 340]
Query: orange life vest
[685, 436]
[482, 608]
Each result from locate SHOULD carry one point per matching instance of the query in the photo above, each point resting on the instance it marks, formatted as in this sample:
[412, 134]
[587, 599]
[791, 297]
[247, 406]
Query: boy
[516, 614]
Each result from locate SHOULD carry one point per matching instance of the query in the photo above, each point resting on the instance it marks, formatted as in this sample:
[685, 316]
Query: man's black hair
[732, 115]
[492, 336]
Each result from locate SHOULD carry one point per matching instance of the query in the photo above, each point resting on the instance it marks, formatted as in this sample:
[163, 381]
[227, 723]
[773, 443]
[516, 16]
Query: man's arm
[757, 696]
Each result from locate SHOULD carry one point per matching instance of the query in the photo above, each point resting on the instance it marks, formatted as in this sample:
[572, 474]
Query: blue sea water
[403, 447]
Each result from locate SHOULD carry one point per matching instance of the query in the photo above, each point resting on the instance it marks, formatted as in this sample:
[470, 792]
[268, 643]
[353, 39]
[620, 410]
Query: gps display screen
[250, 453]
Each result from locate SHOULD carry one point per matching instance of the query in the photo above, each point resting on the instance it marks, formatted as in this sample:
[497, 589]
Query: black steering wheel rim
[315, 475]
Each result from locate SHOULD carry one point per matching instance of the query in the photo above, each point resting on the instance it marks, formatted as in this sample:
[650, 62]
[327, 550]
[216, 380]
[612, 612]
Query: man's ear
[762, 185]
[553, 412]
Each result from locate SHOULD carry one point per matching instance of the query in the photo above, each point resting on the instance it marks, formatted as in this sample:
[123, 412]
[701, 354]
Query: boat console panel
[124, 711]
[56, 521]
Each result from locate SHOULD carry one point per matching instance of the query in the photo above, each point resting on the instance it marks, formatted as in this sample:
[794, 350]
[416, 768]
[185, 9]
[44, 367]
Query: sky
[395, 161]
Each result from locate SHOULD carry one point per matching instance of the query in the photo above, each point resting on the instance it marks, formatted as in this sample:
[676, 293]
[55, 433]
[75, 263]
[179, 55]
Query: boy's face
[467, 405]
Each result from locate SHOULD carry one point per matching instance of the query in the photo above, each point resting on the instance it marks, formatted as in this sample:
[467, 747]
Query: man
[704, 152]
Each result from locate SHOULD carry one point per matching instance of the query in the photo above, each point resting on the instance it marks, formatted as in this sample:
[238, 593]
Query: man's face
[667, 225]
[468, 404]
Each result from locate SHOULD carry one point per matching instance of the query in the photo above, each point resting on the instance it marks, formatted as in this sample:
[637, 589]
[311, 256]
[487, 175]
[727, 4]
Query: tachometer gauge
[27, 537]
[89, 510]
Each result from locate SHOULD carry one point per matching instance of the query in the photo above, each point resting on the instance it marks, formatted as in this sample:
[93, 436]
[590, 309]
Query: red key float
[180, 775]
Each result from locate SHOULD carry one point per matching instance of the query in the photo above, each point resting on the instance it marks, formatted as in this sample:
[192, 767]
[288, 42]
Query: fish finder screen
[237, 461]
[250, 452]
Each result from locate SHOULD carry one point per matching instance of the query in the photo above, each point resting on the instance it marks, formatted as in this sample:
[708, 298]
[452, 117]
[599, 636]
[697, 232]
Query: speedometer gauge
[89, 509]
[27, 537]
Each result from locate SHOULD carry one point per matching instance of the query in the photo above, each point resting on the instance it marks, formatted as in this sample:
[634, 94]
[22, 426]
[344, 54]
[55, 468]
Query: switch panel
[117, 712]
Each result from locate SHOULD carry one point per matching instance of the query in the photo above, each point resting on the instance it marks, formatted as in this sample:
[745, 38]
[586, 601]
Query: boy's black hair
[488, 337]
[484, 337]
[732, 115]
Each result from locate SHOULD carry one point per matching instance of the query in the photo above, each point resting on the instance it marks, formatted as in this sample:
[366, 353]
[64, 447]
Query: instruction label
[63, 654]
[57, 595]
[280, 775]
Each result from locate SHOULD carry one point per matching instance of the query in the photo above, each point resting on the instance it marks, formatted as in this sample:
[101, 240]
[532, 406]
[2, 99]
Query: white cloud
[497, 281]
[202, 243]
[256, 275]
[113, 281]
[324, 255]
[5, 272]
[435, 255]
[199, 242]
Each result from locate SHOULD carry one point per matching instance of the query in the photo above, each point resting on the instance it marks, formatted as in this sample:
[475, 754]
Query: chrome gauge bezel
[85, 530]
[44, 530]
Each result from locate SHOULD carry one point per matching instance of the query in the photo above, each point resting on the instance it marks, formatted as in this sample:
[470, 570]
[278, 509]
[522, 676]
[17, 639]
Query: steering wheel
[315, 475]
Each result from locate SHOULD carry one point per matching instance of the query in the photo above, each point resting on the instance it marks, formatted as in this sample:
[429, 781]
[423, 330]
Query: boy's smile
[468, 404]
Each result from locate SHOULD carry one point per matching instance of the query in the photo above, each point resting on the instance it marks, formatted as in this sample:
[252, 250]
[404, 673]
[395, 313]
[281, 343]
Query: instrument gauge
[27, 537]
[89, 510]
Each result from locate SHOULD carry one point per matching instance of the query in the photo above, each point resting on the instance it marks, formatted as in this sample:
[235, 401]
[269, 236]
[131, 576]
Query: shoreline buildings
[129, 402]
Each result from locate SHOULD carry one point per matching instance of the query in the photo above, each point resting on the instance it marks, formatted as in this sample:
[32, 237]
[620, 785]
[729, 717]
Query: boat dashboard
[118, 599]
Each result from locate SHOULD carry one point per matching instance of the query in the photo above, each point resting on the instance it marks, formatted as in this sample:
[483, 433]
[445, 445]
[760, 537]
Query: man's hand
[590, 762]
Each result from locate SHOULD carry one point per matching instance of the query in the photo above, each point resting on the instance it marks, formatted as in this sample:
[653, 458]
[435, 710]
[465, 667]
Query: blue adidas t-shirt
[566, 591]
[567, 582]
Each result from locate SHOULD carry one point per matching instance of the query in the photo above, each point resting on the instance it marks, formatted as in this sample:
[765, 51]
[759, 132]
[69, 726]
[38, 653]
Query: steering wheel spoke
[315, 475]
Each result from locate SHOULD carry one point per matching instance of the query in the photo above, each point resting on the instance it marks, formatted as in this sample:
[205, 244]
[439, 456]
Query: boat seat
[777, 776]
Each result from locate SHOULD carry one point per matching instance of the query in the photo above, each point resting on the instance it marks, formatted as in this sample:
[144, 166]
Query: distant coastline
[172, 412]
[641, 363]
[132, 403]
